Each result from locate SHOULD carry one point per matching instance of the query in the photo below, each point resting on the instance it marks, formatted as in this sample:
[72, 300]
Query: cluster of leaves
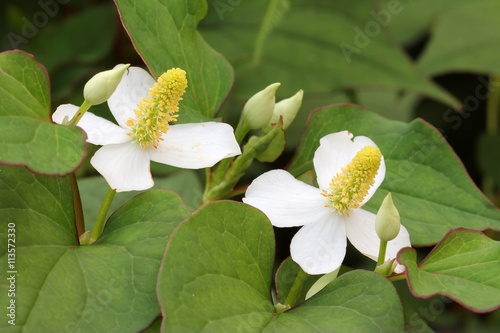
[165, 261]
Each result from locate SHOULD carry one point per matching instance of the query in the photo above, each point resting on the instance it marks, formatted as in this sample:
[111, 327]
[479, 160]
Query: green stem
[381, 253]
[492, 106]
[492, 125]
[101, 216]
[77, 206]
[222, 168]
[397, 277]
[294, 293]
[226, 177]
[79, 113]
[241, 130]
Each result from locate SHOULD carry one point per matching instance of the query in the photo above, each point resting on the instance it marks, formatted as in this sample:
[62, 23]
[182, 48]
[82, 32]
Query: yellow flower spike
[155, 112]
[349, 187]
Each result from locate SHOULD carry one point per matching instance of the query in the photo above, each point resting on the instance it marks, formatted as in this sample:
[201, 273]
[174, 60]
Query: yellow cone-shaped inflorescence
[155, 112]
[349, 187]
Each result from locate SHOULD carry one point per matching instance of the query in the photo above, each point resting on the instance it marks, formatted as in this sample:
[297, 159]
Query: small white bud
[102, 85]
[387, 222]
[258, 110]
[288, 109]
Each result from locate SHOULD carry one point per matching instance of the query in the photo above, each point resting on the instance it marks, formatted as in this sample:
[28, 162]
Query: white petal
[134, 85]
[360, 229]
[195, 146]
[64, 110]
[286, 201]
[336, 150]
[99, 130]
[319, 248]
[125, 166]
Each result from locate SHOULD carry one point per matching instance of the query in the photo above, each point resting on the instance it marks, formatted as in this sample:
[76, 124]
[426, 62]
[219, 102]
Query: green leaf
[416, 309]
[454, 46]
[275, 11]
[216, 273]
[28, 136]
[216, 276]
[306, 44]
[463, 266]
[41, 207]
[358, 301]
[93, 190]
[303, 45]
[164, 33]
[411, 24]
[430, 187]
[109, 286]
[275, 148]
[73, 40]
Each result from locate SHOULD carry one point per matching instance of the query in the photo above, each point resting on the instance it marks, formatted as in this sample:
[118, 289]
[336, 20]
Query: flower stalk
[227, 175]
[101, 216]
[294, 293]
[78, 115]
[381, 252]
[77, 205]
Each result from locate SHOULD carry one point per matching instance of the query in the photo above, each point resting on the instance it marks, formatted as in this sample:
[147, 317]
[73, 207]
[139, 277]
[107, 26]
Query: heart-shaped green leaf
[429, 185]
[109, 286]
[164, 33]
[360, 301]
[463, 266]
[216, 276]
[28, 136]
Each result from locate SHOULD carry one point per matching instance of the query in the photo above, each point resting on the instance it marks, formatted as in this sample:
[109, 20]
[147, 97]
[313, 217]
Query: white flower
[143, 110]
[348, 173]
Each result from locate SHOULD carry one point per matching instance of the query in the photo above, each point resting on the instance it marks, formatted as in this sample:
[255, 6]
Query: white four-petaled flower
[143, 109]
[348, 173]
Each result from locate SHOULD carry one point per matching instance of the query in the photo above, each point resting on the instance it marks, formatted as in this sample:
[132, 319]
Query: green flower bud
[387, 222]
[258, 110]
[102, 85]
[288, 109]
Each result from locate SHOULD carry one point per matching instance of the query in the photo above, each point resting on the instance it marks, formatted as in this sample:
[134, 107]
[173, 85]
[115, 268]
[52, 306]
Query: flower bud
[387, 222]
[102, 85]
[288, 109]
[258, 110]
